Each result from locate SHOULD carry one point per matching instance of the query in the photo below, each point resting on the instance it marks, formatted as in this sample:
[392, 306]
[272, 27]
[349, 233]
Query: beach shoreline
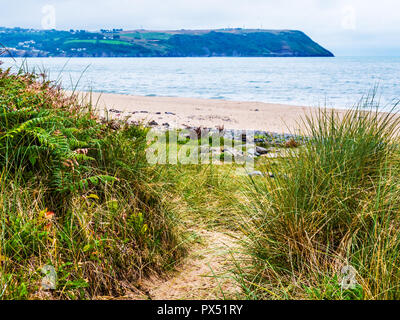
[173, 112]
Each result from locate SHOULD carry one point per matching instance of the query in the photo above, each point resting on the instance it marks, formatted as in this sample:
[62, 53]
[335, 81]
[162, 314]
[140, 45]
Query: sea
[339, 82]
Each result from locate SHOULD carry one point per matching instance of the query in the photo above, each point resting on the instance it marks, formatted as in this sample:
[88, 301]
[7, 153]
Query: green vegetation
[111, 42]
[332, 204]
[148, 35]
[76, 194]
[141, 43]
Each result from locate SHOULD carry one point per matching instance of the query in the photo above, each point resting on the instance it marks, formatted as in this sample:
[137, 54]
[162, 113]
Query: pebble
[253, 152]
[261, 150]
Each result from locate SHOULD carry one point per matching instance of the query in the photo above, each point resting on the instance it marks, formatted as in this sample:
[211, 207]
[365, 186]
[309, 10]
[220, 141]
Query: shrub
[76, 193]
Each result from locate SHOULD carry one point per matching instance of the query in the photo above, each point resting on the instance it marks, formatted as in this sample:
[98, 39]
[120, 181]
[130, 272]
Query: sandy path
[203, 276]
[181, 112]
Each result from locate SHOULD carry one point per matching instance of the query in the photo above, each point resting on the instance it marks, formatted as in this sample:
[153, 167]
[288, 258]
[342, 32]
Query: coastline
[207, 113]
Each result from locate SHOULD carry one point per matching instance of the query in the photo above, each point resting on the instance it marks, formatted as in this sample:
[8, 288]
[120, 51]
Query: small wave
[218, 98]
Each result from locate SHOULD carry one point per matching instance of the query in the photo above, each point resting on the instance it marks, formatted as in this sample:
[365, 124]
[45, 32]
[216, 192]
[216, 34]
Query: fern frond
[85, 183]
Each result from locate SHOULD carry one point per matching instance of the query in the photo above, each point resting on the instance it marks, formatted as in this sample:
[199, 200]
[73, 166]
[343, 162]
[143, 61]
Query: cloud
[328, 22]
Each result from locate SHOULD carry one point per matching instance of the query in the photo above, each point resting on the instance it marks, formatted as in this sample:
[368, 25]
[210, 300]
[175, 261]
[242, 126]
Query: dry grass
[333, 203]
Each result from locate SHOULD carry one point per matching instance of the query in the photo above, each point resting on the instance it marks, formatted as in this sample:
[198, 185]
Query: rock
[158, 112]
[166, 124]
[255, 174]
[253, 152]
[153, 123]
[144, 112]
[170, 113]
[261, 150]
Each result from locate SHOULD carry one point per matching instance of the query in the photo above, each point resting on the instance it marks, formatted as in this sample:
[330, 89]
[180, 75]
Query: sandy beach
[184, 112]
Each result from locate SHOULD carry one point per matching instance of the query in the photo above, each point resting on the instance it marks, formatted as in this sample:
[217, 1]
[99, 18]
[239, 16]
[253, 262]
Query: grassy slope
[331, 205]
[148, 35]
[110, 42]
[76, 194]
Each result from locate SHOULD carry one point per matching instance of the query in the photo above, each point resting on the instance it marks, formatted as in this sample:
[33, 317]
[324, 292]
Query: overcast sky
[346, 27]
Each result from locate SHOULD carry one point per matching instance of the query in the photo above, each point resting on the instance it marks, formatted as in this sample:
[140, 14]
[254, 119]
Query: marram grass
[333, 203]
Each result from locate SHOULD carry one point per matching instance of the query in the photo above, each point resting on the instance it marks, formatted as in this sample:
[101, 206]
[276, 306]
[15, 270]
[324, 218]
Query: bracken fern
[76, 193]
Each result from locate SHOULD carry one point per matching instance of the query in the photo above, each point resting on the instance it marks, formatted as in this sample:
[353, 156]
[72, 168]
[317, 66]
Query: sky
[346, 27]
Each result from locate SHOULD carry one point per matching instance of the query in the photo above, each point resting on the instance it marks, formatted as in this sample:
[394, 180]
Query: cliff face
[141, 43]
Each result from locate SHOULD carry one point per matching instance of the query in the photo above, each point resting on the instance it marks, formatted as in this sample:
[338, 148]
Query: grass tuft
[334, 203]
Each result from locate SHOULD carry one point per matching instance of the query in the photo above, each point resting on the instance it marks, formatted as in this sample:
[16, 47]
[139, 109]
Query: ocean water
[334, 82]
